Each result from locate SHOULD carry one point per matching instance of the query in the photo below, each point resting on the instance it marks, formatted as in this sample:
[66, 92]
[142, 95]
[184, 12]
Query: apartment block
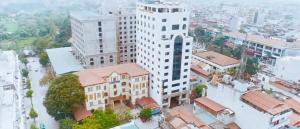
[94, 38]
[164, 49]
[126, 35]
[113, 85]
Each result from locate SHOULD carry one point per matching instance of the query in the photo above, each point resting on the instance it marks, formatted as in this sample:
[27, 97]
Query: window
[175, 85]
[174, 91]
[184, 26]
[177, 58]
[184, 19]
[166, 74]
[188, 43]
[163, 28]
[167, 46]
[175, 27]
[164, 20]
[166, 60]
[99, 23]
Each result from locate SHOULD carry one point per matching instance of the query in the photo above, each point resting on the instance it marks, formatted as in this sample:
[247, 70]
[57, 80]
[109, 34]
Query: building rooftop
[63, 61]
[81, 113]
[217, 58]
[94, 76]
[264, 102]
[295, 105]
[294, 120]
[211, 106]
[198, 70]
[262, 40]
[180, 114]
[8, 67]
[85, 15]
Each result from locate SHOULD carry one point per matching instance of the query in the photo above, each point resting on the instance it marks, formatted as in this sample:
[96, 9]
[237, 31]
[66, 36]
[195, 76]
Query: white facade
[126, 35]
[94, 38]
[286, 68]
[164, 49]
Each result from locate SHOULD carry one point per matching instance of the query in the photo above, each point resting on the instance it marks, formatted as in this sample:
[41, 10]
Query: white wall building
[94, 38]
[164, 49]
[286, 68]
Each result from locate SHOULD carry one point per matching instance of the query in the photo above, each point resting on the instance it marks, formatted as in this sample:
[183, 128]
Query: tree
[29, 95]
[33, 114]
[146, 113]
[64, 93]
[66, 123]
[99, 120]
[23, 60]
[202, 36]
[25, 72]
[220, 41]
[251, 66]
[199, 88]
[44, 59]
[47, 78]
[33, 126]
[28, 84]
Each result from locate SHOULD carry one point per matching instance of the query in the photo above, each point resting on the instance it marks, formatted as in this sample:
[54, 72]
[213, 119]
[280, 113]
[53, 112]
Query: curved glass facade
[178, 42]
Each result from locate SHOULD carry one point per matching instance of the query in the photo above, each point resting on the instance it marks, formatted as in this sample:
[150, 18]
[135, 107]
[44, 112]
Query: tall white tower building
[164, 49]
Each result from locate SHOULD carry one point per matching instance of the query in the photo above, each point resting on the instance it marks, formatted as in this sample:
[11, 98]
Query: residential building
[112, 85]
[264, 47]
[275, 113]
[94, 38]
[286, 69]
[214, 110]
[126, 35]
[181, 118]
[164, 49]
[216, 62]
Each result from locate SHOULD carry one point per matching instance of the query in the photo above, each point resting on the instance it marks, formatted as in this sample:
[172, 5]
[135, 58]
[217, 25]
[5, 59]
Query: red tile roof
[295, 105]
[294, 120]
[217, 58]
[188, 117]
[232, 126]
[198, 70]
[80, 113]
[210, 105]
[264, 102]
[94, 76]
[147, 102]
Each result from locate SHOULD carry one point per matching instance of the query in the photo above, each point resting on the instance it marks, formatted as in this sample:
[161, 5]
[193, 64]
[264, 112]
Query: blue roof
[63, 61]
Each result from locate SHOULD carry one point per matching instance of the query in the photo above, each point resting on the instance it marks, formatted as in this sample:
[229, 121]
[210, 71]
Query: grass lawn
[22, 43]
[11, 27]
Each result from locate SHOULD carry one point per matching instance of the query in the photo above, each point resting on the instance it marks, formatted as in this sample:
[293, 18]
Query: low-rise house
[148, 102]
[180, 118]
[80, 113]
[219, 112]
[200, 72]
[274, 113]
[217, 62]
[264, 47]
[113, 85]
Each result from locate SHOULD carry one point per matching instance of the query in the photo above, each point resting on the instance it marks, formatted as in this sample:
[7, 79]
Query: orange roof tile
[294, 120]
[232, 125]
[264, 102]
[94, 76]
[144, 101]
[197, 69]
[80, 113]
[295, 105]
[187, 117]
[217, 58]
[214, 107]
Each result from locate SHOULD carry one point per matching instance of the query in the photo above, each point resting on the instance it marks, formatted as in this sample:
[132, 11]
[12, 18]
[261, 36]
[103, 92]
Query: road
[36, 72]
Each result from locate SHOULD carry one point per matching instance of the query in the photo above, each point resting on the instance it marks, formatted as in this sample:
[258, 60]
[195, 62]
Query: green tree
[99, 120]
[23, 60]
[146, 113]
[33, 114]
[64, 93]
[33, 126]
[199, 89]
[44, 59]
[25, 72]
[28, 84]
[66, 123]
[220, 41]
[202, 36]
[29, 94]
[251, 66]
[41, 44]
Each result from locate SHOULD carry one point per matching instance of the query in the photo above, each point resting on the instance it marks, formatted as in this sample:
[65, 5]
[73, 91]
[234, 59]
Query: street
[35, 74]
